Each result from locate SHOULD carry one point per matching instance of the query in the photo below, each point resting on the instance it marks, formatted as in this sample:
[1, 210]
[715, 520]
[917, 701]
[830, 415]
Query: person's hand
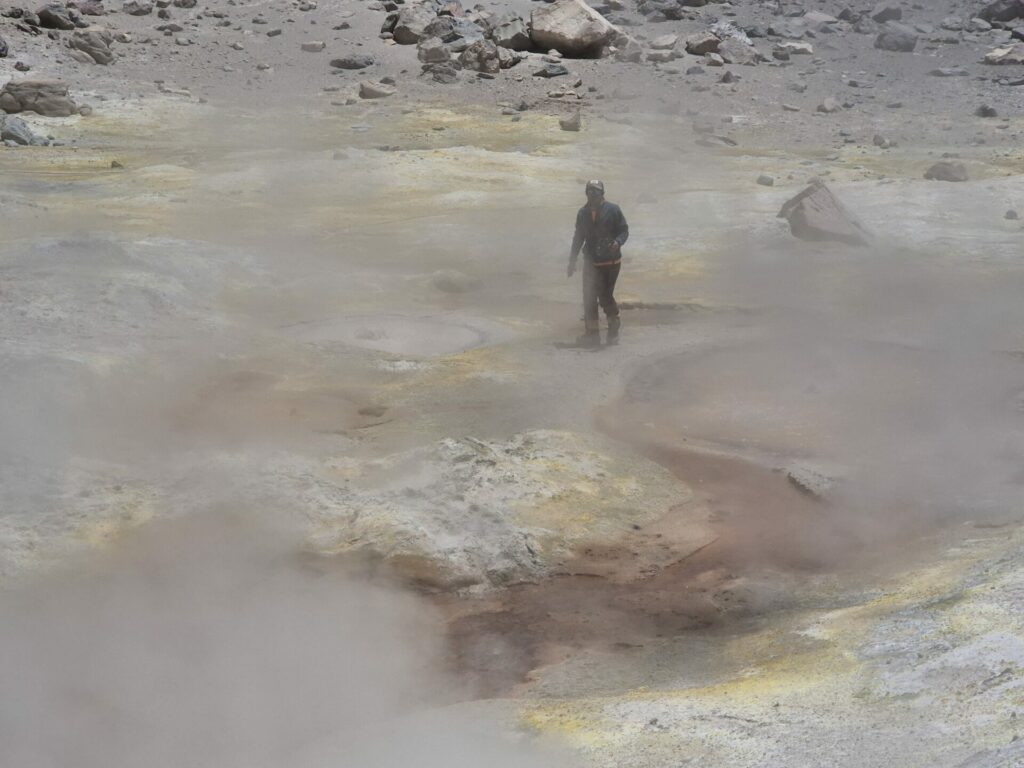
[615, 247]
[571, 269]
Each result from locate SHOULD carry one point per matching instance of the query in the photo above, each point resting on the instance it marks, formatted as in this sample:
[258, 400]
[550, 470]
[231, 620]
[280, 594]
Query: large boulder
[571, 27]
[816, 214]
[45, 97]
[432, 50]
[511, 32]
[896, 37]
[412, 23]
[95, 43]
[55, 16]
[1002, 10]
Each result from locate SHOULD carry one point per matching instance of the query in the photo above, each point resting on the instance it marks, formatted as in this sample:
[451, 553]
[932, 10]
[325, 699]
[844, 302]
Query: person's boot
[613, 329]
[589, 339]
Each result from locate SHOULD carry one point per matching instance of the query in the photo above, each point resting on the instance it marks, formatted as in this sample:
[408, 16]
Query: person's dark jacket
[595, 236]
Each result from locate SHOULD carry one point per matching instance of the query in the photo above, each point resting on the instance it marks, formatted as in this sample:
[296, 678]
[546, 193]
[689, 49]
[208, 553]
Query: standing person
[601, 231]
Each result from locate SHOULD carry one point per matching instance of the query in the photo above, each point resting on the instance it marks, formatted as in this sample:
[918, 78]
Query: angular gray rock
[816, 214]
[3, 48]
[946, 170]
[571, 27]
[95, 43]
[511, 32]
[884, 12]
[481, 56]
[44, 97]
[89, 7]
[430, 50]
[16, 130]
[507, 58]
[702, 43]
[411, 23]
[1002, 10]
[355, 61]
[55, 16]
[137, 7]
[735, 51]
[896, 37]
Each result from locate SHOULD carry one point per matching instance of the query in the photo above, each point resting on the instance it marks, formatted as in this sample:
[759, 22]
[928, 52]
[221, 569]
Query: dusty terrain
[779, 524]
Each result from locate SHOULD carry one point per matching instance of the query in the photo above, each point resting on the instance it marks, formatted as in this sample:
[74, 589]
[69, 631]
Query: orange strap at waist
[606, 263]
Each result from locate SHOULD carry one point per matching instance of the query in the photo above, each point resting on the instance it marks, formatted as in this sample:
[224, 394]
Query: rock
[883, 142]
[713, 60]
[94, 43]
[356, 61]
[952, 23]
[137, 7]
[949, 72]
[314, 46]
[55, 16]
[551, 70]
[735, 51]
[896, 37]
[371, 90]
[702, 43]
[507, 58]
[274, 32]
[442, 72]
[1002, 10]
[431, 50]
[884, 12]
[465, 512]
[510, 32]
[795, 48]
[573, 123]
[765, 180]
[828, 106]
[946, 170]
[810, 479]
[3, 48]
[45, 97]
[90, 7]
[411, 23]
[985, 111]
[464, 33]
[481, 56]
[816, 214]
[15, 130]
[1008, 54]
[664, 42]
[571, 27]
[1011, 215]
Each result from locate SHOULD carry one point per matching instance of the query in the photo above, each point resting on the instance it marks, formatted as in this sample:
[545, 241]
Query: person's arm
[577, 243]
[622, 230]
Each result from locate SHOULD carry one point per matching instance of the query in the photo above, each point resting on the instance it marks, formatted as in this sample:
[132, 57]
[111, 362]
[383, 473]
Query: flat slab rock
[45, 97]
[816, 214]
[465, 512]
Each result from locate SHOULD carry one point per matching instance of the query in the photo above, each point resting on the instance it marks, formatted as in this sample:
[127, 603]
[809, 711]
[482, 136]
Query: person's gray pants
[598, 288]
